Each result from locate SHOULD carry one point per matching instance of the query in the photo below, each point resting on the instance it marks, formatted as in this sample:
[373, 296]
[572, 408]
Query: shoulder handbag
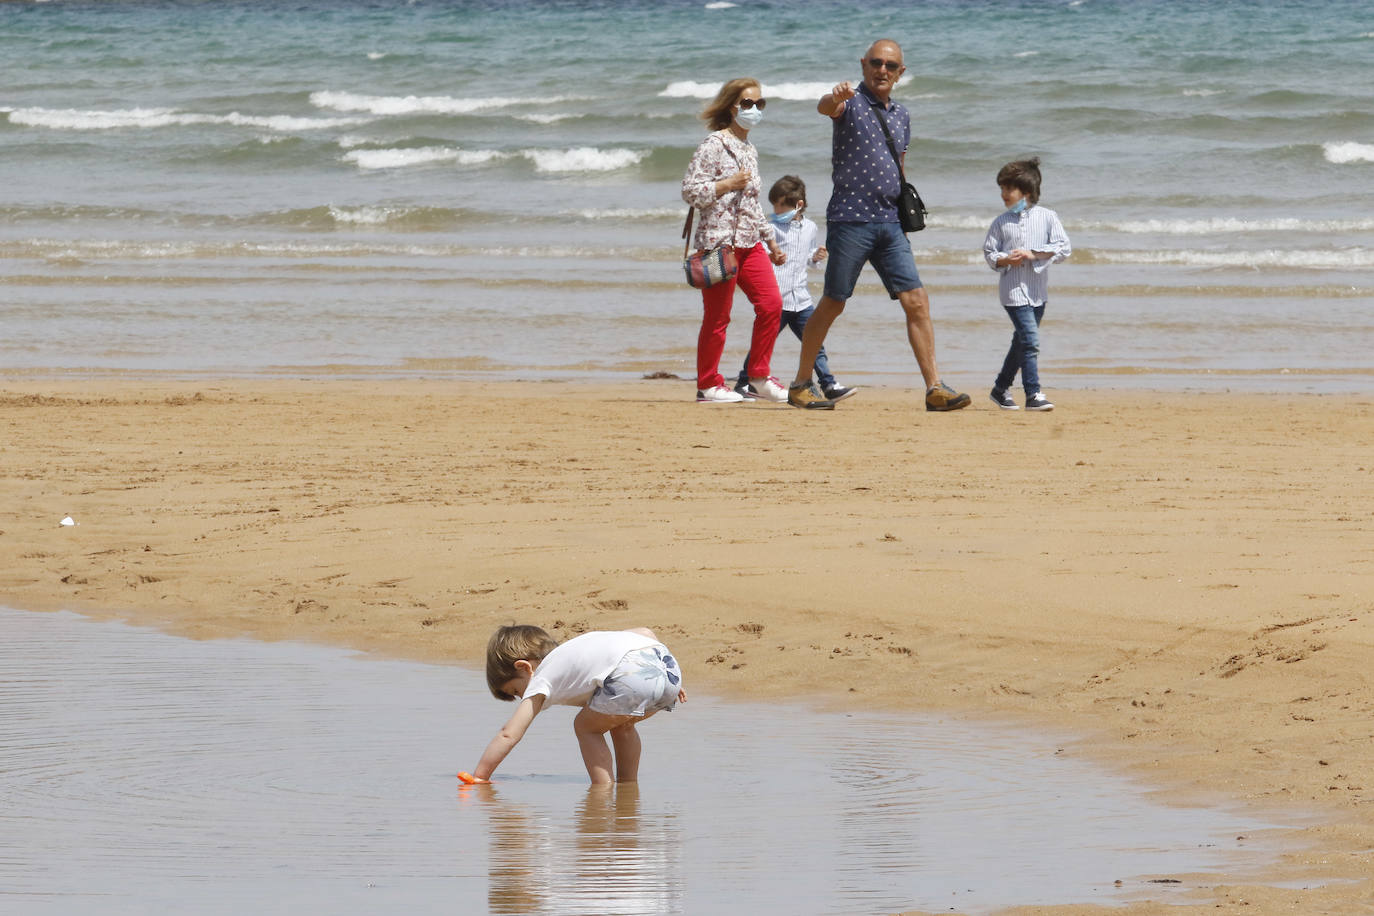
[705, 269]
[911, 210]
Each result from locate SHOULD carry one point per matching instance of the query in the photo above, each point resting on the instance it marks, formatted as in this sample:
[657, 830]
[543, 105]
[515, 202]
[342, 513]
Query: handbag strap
[891, 144]
[691, 211]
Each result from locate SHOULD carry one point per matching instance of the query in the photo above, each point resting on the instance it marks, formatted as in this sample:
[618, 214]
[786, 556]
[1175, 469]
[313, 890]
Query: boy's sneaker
[943, 397]
[1003, 400]
[808, 397]
[766, 389]
[718, 395]
[838, 392]
[1038, 401]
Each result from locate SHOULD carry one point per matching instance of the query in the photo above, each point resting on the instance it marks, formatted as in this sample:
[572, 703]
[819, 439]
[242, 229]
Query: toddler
[619, 679]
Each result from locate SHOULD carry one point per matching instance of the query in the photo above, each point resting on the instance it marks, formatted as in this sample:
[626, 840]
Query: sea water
[440, 187]
[141, 772]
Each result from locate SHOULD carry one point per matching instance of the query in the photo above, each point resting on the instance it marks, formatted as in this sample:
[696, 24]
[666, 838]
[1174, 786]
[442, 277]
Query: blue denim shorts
[850, 245]
[645, 681]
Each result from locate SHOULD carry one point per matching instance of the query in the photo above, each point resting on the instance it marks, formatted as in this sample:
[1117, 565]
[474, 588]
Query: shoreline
[1179, 580]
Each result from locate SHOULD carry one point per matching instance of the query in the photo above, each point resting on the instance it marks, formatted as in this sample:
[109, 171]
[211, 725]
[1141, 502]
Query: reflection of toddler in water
[618, 678]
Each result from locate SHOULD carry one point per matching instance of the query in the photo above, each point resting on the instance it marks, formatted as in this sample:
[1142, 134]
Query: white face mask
[749, 117]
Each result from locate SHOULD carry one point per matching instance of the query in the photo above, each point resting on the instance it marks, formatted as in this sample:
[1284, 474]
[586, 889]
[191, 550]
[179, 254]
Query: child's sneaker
[1003, 400]
[718, 395]
[1038, 401]
[837, 392]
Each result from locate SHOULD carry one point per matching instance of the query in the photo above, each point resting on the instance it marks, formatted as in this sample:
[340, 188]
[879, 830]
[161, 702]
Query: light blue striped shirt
[1035, 228]
[797, 239]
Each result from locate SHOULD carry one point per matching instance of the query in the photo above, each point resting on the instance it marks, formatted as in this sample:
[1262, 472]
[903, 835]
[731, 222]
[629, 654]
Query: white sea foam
[1339, 153]
[721, 5]
[629, 213]
[423, 155]
[375, 55]
[405, 105]
[544, 118]
[365, 216]
[1203, 93]
[1228, 225]
[582, 159]
[690, 89]
[1313, 258]
[1026, 54]
[792, 92]
[77, 119]
[422, 104]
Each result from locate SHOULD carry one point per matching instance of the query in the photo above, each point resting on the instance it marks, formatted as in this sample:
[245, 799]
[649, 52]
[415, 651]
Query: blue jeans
[797, 322]
[1024, 354]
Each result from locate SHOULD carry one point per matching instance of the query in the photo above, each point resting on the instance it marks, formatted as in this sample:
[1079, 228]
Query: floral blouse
[720, 155]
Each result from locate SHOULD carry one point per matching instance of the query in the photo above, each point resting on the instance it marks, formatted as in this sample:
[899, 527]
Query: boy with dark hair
[1021, 245]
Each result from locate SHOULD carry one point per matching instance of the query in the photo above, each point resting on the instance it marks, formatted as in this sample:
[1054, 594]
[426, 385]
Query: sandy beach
[1183, 580]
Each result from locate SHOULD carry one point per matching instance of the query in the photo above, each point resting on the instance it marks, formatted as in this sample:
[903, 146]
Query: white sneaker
[718, 395]
[767, 389]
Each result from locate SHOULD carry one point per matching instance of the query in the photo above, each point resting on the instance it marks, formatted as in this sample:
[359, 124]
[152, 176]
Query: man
[862, 225]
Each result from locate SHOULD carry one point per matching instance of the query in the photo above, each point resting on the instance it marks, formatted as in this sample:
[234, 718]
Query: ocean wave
[1348, 152]
[386, 105]
[78, 119]
[1217, 225]
[575, 159]
[630, 213]
[409, 104]
[720, 5]
[583, 159]
[1309, 258]
[791, 92]
[423, 155]
[1231, 225]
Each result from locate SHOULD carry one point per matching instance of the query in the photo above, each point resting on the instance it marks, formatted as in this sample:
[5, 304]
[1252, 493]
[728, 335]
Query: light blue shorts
[645, 681]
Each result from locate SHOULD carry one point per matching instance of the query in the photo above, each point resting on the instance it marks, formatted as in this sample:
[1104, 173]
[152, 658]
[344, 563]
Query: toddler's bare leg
[625, 739]
[590, 728]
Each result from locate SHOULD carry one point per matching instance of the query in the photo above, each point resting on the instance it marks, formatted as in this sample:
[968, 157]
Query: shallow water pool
[141, 772]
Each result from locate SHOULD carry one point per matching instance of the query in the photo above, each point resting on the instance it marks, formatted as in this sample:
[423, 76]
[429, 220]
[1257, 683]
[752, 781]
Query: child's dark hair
[789, 189]
[1024, 176]
[509, 645]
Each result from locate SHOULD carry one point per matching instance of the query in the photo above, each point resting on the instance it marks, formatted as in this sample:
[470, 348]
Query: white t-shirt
[570, 674]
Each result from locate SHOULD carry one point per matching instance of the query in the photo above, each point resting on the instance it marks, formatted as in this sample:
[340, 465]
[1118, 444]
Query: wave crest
[1348, 152]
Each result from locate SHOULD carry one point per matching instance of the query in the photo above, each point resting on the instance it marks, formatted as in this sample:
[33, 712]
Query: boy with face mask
[1021, 245]
[796, 236]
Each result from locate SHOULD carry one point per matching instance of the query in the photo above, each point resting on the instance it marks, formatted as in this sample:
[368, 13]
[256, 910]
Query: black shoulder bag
[911, 211]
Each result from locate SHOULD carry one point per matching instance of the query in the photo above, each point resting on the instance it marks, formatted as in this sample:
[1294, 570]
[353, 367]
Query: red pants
[756, 278]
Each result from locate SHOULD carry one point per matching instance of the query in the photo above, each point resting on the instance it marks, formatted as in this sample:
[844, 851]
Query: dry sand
[1185, 580]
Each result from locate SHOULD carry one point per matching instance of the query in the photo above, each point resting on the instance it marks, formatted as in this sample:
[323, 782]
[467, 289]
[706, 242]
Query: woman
[722, 181]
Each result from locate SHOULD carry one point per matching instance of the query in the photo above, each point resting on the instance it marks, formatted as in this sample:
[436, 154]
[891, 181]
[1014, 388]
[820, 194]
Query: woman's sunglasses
[747, 104]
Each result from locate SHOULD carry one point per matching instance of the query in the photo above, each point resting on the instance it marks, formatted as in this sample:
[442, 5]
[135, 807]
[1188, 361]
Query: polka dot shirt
[866, 180]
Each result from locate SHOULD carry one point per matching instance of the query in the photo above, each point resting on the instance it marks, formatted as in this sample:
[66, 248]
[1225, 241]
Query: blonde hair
[508, 645]
[718, 113]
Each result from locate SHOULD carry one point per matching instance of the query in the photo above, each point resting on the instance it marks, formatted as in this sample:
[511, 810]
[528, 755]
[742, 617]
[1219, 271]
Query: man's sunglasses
[877, 63]
[747, 104]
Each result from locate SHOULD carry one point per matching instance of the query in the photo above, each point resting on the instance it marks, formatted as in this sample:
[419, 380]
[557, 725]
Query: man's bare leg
[920, 332]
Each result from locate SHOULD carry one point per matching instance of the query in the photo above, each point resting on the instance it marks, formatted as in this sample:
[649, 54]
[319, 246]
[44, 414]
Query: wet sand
[1185, 580]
